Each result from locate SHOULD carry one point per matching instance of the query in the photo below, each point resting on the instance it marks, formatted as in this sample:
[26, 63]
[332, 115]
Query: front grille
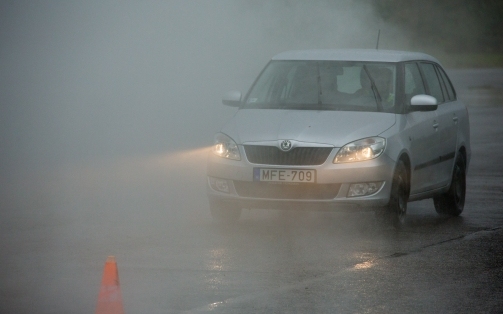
[303, 191]
[299, 156]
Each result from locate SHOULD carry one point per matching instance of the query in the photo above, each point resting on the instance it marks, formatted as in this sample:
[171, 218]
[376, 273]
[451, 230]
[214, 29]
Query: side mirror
[423, 103]
[232, 99]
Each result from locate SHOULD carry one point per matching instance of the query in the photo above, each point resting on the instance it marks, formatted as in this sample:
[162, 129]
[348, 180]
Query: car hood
[334, 128]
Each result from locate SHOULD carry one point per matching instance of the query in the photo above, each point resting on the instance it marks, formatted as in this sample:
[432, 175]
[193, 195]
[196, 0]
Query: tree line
[453, 25]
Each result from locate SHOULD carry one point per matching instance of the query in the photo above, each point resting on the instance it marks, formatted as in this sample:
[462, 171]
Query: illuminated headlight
[364, 189]
[365, 149]
[225, 147]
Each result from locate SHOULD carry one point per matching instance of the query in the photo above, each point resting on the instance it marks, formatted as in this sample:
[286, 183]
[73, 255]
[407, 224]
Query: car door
[420, 132]
[447, 119]
[450, 114]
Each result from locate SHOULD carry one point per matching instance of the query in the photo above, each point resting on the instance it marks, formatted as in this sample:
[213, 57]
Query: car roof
[372, 55]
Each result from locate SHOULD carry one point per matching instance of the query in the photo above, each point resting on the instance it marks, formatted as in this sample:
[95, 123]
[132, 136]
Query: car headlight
[364, 149]
[225, 147]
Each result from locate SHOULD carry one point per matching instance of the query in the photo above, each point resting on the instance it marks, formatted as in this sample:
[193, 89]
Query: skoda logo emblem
[286, 145]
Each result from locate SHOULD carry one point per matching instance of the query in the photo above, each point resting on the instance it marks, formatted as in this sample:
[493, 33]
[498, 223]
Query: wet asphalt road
[57, 229]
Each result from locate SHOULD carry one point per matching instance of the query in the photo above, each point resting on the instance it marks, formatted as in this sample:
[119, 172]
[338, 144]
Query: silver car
[331, 129]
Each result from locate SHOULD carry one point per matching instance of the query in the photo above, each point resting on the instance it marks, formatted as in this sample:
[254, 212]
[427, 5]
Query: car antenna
[378, 35]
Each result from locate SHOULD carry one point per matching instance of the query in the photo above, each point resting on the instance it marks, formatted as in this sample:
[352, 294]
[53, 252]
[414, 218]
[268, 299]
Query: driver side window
[413, 82]
[430, 75]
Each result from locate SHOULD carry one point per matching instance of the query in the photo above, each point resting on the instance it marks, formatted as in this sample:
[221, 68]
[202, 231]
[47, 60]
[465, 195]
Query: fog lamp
[364, 188]
[220, 185]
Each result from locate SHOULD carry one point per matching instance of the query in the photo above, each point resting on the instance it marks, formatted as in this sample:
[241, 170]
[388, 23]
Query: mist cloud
[94, 79]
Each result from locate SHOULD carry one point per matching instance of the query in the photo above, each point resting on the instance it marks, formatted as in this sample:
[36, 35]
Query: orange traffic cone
[110, 298]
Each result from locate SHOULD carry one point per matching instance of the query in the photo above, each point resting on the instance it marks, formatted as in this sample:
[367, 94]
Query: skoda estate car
[333, 129]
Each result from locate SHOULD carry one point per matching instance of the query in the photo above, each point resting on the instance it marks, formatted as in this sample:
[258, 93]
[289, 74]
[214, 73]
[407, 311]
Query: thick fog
[105, 79]
[107, 88]
[107, 110]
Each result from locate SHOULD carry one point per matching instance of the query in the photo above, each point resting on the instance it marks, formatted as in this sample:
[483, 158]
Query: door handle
[435, 124]
[455, 119]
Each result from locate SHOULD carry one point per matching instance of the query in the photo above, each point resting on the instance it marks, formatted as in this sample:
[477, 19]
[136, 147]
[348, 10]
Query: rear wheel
[224, 212]
[394, 213]
[453, 202]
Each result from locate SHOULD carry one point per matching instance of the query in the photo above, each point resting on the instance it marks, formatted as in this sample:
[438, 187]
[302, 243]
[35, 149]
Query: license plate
[284, 175]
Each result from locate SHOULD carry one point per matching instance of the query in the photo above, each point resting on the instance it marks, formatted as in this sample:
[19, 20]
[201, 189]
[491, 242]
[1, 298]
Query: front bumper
[330, 191]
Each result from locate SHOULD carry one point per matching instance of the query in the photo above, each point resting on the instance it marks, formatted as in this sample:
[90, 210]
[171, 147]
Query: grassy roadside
[471, 60]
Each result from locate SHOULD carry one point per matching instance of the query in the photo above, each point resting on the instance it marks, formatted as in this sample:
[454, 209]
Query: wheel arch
[463, 153]
[404, 157]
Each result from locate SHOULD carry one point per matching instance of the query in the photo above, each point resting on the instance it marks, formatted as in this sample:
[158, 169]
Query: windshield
[325, 85]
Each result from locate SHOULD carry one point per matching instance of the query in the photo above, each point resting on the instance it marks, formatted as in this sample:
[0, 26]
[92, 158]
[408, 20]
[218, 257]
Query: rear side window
[413, 82]
[430, 75]
[451, 95]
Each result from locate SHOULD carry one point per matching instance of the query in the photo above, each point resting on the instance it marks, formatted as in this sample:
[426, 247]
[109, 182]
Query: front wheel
[224, 212]
[394, 213]
[453, 202]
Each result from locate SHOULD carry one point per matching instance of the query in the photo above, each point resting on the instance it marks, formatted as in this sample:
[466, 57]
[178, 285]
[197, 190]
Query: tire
[394, 213]
[452, 203]
[224, 212]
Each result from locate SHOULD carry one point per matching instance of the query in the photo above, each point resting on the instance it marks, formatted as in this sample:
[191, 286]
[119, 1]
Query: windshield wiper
[377, 96]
